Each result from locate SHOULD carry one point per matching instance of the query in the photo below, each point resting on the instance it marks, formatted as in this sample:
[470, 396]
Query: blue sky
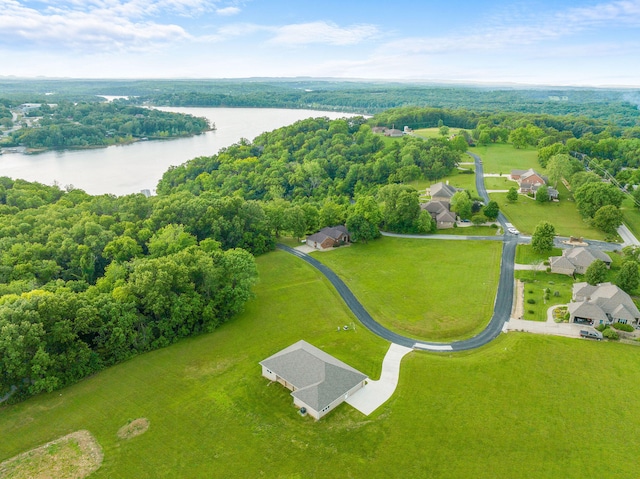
[558, 42]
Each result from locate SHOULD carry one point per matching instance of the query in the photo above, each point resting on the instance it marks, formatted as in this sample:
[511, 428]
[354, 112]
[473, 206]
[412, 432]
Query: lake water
[125, 169]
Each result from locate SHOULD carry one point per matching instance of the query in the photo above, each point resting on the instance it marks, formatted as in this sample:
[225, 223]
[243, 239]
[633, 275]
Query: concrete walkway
[376, 393]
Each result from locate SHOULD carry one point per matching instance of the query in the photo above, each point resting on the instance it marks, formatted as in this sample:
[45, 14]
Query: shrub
[546, 296]
[494, 225]
[610, 334]
[567, 316]
[531, 301]
[546, 263]
[556, 293]
[602, 327]
[547, 290]
[531, 311]
[548, 269]
[623, 327]
[530, 291]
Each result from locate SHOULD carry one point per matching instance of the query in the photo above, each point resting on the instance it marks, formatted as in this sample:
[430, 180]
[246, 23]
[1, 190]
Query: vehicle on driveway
[591, 334]
[512, 229]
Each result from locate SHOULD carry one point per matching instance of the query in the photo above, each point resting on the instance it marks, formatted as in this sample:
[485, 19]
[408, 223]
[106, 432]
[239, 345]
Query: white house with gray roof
[318, 381]
[602, 304]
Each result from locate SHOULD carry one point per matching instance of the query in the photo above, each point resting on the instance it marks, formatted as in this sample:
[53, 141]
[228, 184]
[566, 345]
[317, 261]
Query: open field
[502, 158]
[521, 407]
[413, 286]
[434, 132]
[631, 216]
[499, 183]
[534, 289]
[526, 213]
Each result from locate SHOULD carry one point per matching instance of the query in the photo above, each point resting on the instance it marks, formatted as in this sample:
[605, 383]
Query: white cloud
[511, 31]
[228, 11]
[322, 32]
[98, 24]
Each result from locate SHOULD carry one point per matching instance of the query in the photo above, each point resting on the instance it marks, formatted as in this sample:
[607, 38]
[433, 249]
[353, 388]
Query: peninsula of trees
[90, 124]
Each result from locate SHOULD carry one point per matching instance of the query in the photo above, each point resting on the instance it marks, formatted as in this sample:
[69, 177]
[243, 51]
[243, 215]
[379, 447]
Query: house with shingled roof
[440, 212]
[604, 303]
[528, 180]
[329, 237]
[318, 381]
[577, 260]
[442, 192]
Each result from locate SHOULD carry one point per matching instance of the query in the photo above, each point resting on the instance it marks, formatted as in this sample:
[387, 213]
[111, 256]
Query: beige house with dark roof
[577, 260]
[440, 212]
[318, 381]
[602, 304]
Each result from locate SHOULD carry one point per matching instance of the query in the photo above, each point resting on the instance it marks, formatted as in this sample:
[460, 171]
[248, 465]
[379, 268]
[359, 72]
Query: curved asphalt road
[504, 297]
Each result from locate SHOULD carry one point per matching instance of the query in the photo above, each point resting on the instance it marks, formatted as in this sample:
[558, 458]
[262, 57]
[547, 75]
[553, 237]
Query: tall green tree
[590, 197]
[608, 219]
[512, 194]
[628, 278]
[596, 272]
[542, 239]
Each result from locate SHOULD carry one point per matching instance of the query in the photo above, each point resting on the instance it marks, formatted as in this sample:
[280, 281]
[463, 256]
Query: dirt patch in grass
[73, 456]
[134, 428]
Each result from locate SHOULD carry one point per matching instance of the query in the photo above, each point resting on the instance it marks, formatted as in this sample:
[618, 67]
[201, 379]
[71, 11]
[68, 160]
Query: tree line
[87, 124]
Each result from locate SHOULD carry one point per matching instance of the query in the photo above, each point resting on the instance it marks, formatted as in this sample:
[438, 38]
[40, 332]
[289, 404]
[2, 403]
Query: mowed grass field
[502, 158]
[435, 132]
[526, 213]
[523, 406]
[428, 289]
[631, 215]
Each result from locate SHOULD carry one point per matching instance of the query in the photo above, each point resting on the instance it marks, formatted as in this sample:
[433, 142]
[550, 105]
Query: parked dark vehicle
[585, 333]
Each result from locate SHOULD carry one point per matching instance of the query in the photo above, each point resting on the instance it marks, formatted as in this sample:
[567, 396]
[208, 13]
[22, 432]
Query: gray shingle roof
[608, 297]
[318, 378]
[333, 232]
[442, 190]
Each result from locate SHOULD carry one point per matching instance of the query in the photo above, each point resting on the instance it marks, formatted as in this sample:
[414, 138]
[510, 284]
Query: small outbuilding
[318, 381]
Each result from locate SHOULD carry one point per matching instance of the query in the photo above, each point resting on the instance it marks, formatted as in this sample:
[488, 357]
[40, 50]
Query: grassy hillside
[502, 158]
[413, 286]
[525, 406]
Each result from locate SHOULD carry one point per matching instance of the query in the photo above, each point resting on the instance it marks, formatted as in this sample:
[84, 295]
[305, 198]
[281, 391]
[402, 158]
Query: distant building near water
[146, 192]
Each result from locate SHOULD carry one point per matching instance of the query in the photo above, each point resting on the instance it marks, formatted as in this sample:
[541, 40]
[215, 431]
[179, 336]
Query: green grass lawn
[526, 213]
[434, 132]
[526, 255]
[534, 289]
[521, 407]
[499, 183]
[502, 158]
[631, 215]
[413, 286]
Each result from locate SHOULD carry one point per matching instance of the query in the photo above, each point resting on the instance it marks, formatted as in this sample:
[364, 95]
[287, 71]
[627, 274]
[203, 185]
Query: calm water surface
[130, 168]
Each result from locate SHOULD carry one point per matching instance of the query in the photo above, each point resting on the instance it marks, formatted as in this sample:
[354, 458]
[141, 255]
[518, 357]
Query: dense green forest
[619, 106]
[87, 281]
[86, 124]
